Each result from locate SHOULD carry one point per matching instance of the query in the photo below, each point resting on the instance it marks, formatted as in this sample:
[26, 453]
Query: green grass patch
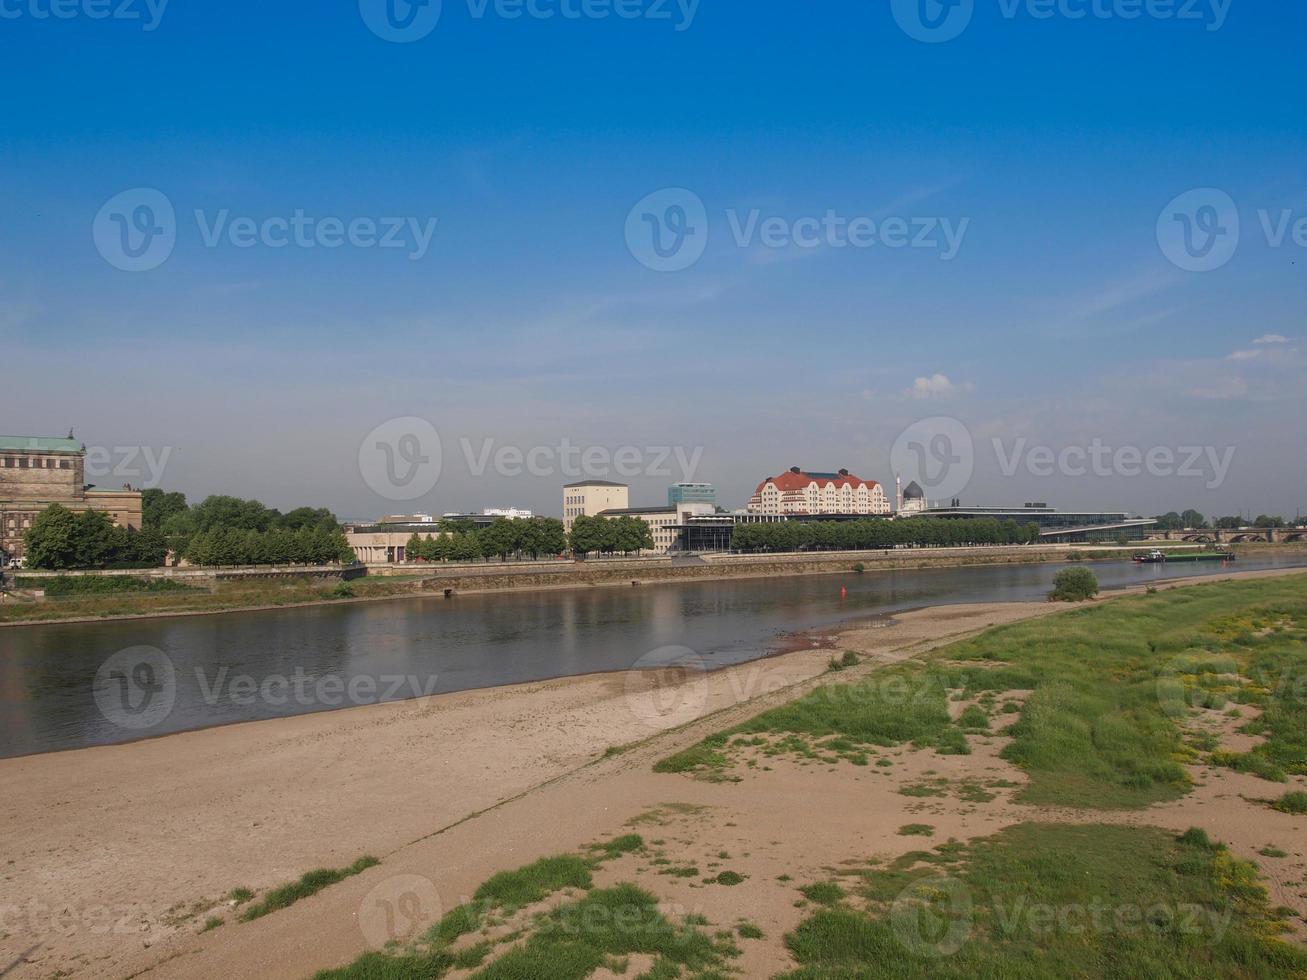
[747, 930]
[1051, 900]
[823, 892]
[618, 846]
[916, 830]
[536, 881]
[309, 884]
[578, 938]
[1295, 802]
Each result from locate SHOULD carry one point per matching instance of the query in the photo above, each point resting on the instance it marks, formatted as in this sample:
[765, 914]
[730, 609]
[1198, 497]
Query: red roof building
[798, 492]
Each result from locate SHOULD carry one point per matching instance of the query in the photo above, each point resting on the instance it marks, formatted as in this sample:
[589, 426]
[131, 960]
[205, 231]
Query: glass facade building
[691, 493]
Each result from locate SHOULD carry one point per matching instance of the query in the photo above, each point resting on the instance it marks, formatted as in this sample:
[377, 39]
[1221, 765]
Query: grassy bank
[1051, 900]
[225, 597]
[1112, 687]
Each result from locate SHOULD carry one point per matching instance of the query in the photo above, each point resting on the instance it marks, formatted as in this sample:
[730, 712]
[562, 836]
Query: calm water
[59, 688]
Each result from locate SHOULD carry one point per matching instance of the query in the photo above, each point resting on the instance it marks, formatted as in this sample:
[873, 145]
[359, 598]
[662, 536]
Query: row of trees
[169, 513]
[61, 539]
[1193, 520]
[876, 533]
[609, 536]
[220, 530]
[275, 546]
[530, 538]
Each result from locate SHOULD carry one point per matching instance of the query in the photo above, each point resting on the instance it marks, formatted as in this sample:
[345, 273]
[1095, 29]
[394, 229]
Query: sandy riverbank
[113, 857]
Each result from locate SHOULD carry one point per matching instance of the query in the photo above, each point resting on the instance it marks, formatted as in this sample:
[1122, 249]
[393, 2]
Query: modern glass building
[691, 493]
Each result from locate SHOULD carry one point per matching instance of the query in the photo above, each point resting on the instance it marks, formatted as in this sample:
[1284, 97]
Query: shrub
[1295, 802]
[859, 567]
[1074, 585]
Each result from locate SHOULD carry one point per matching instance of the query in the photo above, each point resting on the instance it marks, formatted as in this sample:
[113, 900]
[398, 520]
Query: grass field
[1051, 900]
[1113, 686]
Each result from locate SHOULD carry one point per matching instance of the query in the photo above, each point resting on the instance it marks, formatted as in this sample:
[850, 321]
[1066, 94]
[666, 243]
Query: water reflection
[47, 673]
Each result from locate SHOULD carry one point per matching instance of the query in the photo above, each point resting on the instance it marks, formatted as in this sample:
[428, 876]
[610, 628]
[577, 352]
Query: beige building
[664, 522]
[591, 498]
[36, 472]
[798, 492]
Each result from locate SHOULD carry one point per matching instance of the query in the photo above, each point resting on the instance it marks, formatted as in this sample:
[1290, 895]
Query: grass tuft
[308, 884]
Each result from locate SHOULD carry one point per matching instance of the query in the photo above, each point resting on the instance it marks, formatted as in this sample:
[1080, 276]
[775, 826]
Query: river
[77, 685]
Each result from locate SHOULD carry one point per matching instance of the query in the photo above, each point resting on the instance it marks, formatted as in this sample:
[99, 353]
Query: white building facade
[798, 492]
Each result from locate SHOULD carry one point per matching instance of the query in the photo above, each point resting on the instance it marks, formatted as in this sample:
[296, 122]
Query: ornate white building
[910, 499]
[799, 492]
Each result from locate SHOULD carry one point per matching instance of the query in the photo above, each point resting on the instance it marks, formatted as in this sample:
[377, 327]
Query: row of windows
[39, 463]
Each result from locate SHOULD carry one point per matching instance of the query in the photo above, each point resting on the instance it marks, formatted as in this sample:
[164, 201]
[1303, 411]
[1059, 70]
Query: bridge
[1273, 535]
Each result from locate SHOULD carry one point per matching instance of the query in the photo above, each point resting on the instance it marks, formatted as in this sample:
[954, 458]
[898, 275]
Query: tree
[1228, 523]
[1170, 521]
[308, 517]
[1192, 519]
[588, 535]
[51, 541]
[499, 538]
[157, 506]
[415, 549]
[1074, 585]
[1264, 520]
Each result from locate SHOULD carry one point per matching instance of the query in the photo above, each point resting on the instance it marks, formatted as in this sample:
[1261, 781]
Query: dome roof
[913, 492]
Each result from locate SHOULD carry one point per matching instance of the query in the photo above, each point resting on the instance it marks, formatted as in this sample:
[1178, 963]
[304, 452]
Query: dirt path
[156, 832]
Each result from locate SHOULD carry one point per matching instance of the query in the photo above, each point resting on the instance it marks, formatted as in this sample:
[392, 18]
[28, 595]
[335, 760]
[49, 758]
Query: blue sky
[1055, 143]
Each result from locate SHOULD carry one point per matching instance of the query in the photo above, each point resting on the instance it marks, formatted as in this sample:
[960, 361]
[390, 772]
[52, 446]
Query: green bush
[1295, 802]
[1074, 585]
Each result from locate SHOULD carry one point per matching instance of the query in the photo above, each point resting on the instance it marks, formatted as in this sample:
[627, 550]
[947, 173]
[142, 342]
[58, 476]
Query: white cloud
[1271, 338]
[936, 386]
[1244, 355]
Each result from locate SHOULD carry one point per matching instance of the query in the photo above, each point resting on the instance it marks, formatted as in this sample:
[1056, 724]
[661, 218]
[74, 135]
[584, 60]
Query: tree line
[532, 537]
[220, 530]
[1192, 520]
[878, 533]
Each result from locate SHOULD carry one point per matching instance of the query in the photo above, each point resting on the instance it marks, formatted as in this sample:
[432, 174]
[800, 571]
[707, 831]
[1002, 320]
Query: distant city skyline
[1081, 232]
